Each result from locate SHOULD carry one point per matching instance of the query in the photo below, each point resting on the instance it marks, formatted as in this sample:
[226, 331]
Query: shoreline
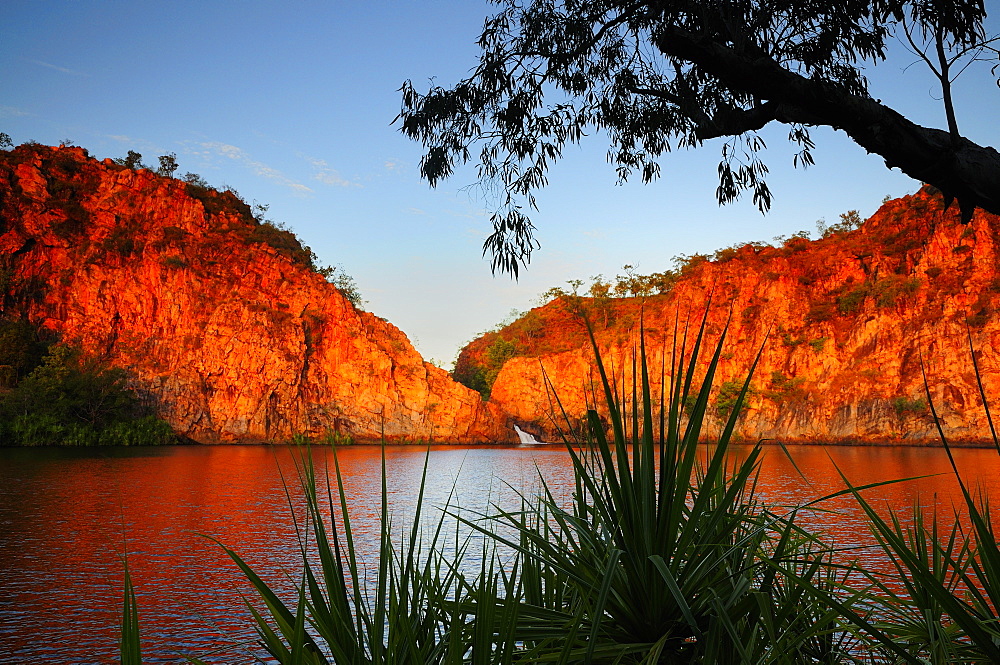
[838, 443]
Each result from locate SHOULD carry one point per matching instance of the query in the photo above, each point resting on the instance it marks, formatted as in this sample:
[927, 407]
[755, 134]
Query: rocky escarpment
[845, 324]
[222, 322]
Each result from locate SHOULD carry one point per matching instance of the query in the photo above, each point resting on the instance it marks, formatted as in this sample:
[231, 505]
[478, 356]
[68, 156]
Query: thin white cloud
[327, 175]
[12, 112]
[134, 143]
[416, 211]
[259, 168]
[333, 178]
[64, 70]
[392, 165]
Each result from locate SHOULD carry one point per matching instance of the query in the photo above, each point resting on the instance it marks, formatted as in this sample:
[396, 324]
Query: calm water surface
[68, 515]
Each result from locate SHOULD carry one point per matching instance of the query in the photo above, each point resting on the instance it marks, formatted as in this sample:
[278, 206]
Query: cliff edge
[845, 324]
[225, 326]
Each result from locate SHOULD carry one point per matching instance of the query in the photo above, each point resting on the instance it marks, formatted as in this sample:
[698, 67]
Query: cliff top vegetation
[848, 269]
[71, 177]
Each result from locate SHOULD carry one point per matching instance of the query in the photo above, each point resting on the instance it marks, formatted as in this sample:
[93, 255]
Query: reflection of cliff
[228, 330]
[850, 316]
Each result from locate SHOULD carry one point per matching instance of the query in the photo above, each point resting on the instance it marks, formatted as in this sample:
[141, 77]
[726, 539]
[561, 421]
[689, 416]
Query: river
[67, 516]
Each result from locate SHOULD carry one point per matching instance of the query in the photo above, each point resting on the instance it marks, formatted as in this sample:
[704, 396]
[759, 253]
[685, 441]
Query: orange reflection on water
[66, 514]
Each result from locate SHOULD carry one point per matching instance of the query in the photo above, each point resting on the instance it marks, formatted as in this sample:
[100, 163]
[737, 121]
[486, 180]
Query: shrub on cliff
[68, 183]
[471, 375]
[731, 394]
[480, 376]
[168, 165]
[131, 161]
[631, 284]
[348, 288]
[849, 221]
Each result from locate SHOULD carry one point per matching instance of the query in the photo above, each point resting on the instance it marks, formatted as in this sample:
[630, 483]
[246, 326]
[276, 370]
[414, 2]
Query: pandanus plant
[664, 554]
[940, 602]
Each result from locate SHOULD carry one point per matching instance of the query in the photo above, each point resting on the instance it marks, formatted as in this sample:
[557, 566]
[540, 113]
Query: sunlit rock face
[225, 327]
[842, 325]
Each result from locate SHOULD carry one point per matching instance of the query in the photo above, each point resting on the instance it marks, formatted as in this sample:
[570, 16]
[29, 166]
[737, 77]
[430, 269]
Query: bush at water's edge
[51, 394]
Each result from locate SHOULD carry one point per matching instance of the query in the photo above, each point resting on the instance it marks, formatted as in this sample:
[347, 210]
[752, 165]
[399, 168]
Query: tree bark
[962, 170]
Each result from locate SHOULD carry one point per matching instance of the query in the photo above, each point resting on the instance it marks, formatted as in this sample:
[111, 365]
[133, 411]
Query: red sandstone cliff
[851, 316]
[230, 334]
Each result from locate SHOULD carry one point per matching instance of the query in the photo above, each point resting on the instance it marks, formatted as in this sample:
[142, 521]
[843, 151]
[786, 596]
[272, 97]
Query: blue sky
[291, 103]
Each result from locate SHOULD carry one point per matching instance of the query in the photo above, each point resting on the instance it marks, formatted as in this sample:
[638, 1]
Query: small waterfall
[525, 437]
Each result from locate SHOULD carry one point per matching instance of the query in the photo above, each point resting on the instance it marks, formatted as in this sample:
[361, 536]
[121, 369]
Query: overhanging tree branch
[655, 75]
[962, 169]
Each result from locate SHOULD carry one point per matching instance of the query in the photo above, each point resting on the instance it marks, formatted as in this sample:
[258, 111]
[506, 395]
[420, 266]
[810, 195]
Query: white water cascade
[525, 437]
